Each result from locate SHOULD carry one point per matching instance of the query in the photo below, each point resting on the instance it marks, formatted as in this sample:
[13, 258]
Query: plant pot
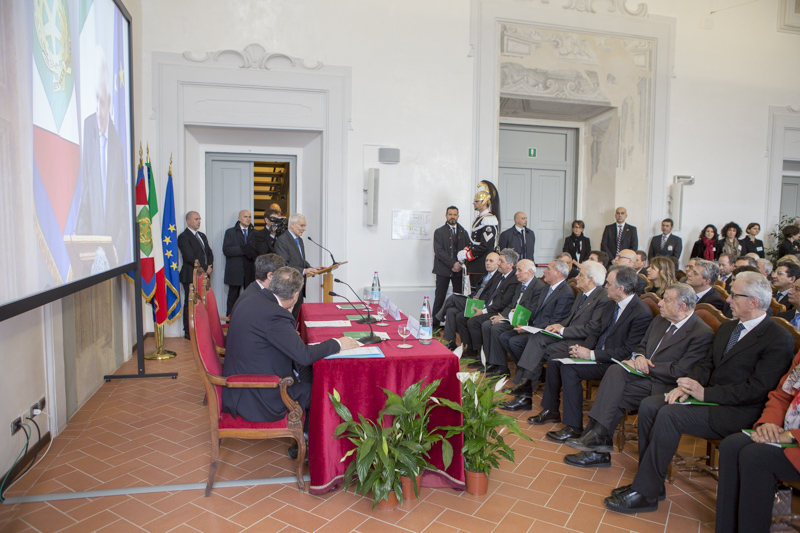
[388, 505]
[408, 487]
[477, 482]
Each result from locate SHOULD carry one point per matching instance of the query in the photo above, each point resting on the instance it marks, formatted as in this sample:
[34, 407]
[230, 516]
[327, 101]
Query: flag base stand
[160, 352]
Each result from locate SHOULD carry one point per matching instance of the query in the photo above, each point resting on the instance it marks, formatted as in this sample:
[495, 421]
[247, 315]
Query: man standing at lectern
[193, 244]
[290, 246]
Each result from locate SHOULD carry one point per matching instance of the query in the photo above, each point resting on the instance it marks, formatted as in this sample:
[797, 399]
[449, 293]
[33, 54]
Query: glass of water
[403, 331]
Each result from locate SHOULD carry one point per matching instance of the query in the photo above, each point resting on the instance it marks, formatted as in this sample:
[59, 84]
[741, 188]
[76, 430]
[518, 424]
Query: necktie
[583, 300]
[546, 296]
[601, 342]
[522, 236]
[663, 241]
[734, 337]
[698, 297]
[482, 285]
[619, 238]
[667, 334]
[245, 234]
[796, 319]
[297, 241]
[522, 293]
[202, 246]
[103, 170]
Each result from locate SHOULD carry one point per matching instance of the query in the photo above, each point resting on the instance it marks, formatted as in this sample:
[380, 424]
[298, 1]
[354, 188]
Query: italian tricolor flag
[150, 254]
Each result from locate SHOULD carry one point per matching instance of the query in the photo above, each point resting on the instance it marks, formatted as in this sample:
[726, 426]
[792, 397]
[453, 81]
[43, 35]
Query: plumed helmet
[487, 194]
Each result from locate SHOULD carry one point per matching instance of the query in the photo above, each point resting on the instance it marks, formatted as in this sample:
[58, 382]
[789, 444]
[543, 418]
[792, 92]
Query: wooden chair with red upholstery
[223, 424]
[652, 302]
[791, 329]
[219, 331]
[777, 307]
[712, 316]
[721, 290]
[199, 278]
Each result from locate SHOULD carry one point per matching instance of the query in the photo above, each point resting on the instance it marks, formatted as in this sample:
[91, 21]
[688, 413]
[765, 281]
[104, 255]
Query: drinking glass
[381, 314]
[403, 331]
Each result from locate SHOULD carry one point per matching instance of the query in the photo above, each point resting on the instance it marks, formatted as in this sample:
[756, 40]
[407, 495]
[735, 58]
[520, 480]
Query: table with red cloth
[359, 383]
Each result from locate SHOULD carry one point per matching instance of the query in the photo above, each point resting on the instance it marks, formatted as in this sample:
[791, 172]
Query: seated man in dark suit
[629, 258]
[584, 320]
[701, 276]
[666, 244]
[619, 236]
[519, 237]
[553, 306]
[675, 341]
[262, 340]
[792, 315]
[641, 262]
[266, 264]
[782, 279]
[623, 325]
[498, 300]
[726, 267]
[747, 359]
[526, 296]
[455, 304]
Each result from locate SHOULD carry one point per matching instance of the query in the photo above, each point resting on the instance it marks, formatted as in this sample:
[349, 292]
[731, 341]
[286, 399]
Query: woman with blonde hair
[660, 275]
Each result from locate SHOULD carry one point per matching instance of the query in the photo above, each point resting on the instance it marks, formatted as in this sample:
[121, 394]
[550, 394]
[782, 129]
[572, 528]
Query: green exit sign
[531, 152]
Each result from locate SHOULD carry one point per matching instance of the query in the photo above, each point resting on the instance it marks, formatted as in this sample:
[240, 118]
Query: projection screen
[65, 148]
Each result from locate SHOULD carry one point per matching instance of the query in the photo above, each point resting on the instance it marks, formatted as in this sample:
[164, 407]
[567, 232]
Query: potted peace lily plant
[385, 453]
[483, 427]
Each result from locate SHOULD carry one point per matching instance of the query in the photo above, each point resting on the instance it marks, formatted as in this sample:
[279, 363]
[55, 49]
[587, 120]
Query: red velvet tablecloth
[359, 383]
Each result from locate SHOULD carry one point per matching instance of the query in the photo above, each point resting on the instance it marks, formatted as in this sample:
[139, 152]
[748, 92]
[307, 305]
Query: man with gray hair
[551, 307]
[266, 264]
[262, 340]
[290, 246]
[584, 319]
[745, 363]
[675, 341]
[765, 267]
[498, 300]
[701, 276]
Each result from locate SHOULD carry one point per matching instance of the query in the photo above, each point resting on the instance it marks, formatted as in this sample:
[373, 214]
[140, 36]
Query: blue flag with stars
[169, 243]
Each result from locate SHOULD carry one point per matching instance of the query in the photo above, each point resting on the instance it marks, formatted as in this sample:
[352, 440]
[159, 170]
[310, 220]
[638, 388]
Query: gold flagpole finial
[140, 151]
[170, 163]
[148, 151]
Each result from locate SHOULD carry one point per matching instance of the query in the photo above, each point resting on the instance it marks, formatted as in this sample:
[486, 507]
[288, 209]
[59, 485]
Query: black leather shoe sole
[615, 503]
[577, 444]
[588, 460]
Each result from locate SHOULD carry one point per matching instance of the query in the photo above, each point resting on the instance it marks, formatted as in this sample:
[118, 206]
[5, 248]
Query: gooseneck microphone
[329, 252]
[369, 319]
[372, 339]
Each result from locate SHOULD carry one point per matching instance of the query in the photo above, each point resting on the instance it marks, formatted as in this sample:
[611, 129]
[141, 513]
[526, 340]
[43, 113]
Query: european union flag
[169, 243]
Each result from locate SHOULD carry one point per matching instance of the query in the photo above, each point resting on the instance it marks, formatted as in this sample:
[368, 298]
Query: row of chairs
[208, 349]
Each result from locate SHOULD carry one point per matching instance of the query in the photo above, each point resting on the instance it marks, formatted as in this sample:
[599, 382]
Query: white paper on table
[413, 327]
[327, 323]
[351, 306]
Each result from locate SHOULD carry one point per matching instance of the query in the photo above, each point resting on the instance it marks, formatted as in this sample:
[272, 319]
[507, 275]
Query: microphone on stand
[318, 244]
[372, 339]
[369, 319]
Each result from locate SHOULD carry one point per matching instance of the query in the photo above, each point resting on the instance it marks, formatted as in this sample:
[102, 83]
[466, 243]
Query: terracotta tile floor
[141, 432]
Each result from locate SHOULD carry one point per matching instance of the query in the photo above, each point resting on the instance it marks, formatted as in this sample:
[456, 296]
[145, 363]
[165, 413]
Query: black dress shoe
[496, 370]
[452, 345]
[522, 388]
[567, 432]
[589, 459]
[546, 417]
[592, 442]
[630, 502]
[517, 403]
[619, 490]
[477, 364]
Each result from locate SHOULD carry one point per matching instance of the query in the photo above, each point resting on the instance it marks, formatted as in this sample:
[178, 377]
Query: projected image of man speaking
[104, 178]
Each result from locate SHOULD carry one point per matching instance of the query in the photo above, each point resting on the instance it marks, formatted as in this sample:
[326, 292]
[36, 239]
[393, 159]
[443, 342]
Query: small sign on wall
[531, 152]
[411, 225]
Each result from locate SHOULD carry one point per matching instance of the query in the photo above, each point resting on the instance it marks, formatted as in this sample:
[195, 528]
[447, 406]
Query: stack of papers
[359, 334]
[576, 361]
[366, 352]
[531, 329]
[776, 444]
[327, 323]
[630, 369]
[351, 306]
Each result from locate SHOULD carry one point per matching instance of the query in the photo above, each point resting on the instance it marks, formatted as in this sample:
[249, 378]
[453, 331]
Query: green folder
[776, 444]
[520, 316]
[356, 334]
[629, 369]
[472, 306]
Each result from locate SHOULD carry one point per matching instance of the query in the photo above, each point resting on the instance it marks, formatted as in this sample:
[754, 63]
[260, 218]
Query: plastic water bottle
[376, 288]
[425, 323]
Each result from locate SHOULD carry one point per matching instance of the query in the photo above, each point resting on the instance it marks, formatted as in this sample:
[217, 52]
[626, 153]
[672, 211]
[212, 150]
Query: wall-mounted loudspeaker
[389, 155]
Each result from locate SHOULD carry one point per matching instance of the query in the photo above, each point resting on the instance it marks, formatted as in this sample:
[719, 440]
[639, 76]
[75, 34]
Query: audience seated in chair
[701, 277]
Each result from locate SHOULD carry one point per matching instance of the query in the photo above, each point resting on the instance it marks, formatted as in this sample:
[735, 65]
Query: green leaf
[447, 453]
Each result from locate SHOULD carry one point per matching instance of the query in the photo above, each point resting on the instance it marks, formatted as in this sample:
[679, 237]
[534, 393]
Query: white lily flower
[462, 376]
[474, 376]
[435, 400]
[476, 399]
[500, 384]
